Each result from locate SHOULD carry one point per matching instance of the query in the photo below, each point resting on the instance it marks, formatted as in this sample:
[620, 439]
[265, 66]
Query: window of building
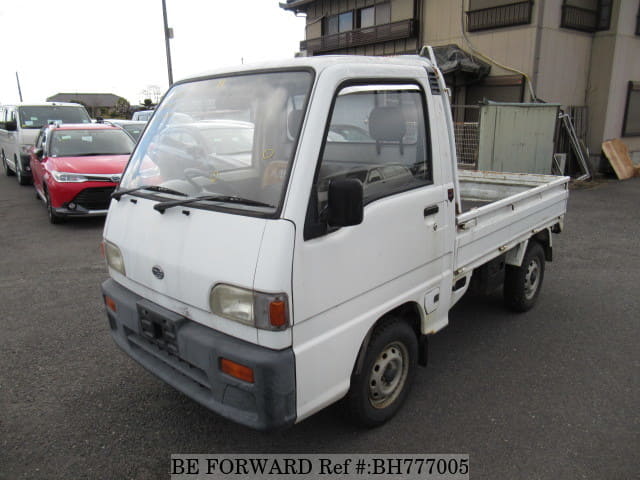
[345, 21]
[587, 15]
[383, 13]
[379, 14]
[487, 14]
[631, 124]
[331, 25]
[367, 17]
[338, 23]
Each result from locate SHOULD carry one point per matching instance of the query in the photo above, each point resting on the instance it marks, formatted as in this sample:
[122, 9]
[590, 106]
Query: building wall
[567, 66]
[565, 56]
[625, 67]
[511, 46]
[400, 10]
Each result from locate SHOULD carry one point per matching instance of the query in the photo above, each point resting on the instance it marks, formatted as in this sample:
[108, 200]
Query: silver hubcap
[388, 375]
[532, 279]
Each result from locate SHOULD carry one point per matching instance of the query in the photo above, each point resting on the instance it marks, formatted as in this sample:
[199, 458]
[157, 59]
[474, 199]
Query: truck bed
[501, 210]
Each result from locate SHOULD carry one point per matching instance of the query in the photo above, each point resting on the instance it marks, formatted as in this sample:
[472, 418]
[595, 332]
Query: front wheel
[5, 166]
[378, 391]
[53, 218]
[522, 284]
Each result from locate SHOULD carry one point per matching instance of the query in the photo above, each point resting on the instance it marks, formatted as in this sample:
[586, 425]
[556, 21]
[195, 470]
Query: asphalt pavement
[552, 393]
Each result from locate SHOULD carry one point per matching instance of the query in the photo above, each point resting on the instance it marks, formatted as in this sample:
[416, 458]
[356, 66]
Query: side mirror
[38, 153]
[11, 126]
[345, 207]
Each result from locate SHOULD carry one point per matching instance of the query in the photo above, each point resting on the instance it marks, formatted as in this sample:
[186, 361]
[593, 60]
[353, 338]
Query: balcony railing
[499, 17]
[578, 18]
[361, 36]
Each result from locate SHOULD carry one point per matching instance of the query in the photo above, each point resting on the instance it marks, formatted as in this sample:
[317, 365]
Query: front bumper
[79, 212]
[186, 355]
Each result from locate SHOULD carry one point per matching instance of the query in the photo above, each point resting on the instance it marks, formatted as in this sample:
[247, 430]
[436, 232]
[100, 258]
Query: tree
[152, 92]
[122, 107]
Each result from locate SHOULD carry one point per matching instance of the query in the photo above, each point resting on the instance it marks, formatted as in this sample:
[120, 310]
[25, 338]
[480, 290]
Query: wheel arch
[543, 237]
[409, 312]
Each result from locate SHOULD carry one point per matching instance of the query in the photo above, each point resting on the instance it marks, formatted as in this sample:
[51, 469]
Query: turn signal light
[277, 313]
[236, 370]
[110, 303]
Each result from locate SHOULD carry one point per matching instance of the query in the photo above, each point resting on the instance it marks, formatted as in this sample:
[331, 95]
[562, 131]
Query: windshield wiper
[162, 206]
[154, 188]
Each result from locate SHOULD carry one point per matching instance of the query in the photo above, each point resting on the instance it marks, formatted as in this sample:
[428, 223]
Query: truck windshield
[225, 137]
[39, 116]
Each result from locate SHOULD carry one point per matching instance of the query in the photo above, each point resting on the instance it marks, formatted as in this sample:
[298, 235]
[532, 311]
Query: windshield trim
[222, 207]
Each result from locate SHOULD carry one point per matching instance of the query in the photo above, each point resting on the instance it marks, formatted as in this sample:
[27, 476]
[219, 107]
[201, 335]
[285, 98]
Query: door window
[378, 135]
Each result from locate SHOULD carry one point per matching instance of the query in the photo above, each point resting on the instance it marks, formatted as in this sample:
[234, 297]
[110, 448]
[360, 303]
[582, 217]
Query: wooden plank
[618, 155]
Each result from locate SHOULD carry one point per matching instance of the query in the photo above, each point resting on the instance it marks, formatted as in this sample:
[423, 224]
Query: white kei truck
[288, 235]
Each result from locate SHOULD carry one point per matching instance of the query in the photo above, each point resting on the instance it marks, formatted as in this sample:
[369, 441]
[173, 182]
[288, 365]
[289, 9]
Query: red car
[75, 167]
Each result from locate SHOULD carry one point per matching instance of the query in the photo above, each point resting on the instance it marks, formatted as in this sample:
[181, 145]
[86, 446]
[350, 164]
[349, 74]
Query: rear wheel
[22, 179]
[378, 391]
[522, 284]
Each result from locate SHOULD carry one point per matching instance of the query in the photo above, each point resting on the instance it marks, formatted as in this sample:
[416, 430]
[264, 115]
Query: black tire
[380, 388]
[53, 218]
[522, 284]
[5, 166]
[22, 180]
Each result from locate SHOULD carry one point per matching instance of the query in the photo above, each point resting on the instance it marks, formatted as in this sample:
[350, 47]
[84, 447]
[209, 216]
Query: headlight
[68, 177]
[266, 311]
[114, 257]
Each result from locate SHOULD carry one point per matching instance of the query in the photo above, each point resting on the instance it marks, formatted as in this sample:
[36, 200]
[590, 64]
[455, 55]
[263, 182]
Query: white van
[316, 264]
[20, 125]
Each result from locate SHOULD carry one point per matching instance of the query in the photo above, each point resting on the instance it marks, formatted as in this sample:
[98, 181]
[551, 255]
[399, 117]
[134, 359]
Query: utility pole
[19, 89]
[168, 34]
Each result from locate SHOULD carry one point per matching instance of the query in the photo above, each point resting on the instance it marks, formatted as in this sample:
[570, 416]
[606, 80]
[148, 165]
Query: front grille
[94, 198]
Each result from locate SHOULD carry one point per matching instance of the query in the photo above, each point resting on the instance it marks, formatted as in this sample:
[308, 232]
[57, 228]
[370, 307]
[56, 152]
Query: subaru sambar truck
[288, 235]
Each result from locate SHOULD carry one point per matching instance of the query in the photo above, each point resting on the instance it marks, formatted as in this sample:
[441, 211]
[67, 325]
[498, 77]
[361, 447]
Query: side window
[378, 135]
[42, 139]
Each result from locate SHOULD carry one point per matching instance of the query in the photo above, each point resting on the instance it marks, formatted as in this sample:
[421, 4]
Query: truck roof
[320, 63]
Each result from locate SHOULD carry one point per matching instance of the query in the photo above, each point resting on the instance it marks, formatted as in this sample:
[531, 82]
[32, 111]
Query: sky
[117, 46]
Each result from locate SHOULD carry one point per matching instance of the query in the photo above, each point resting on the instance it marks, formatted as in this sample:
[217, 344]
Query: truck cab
[286, 235]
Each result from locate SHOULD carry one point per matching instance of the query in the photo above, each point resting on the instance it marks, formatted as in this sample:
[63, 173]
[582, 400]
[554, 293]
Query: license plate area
[159, 326]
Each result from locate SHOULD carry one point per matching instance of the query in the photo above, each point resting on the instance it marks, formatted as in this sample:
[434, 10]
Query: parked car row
[74, 164]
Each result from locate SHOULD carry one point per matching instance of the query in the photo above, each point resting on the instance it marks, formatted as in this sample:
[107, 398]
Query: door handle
[432, 210]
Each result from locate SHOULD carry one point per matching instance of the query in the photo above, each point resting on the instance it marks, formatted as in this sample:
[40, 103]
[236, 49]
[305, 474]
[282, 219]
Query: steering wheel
[191, 173]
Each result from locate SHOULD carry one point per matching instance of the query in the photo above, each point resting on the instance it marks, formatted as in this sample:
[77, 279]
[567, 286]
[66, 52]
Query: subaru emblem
[157, 272]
